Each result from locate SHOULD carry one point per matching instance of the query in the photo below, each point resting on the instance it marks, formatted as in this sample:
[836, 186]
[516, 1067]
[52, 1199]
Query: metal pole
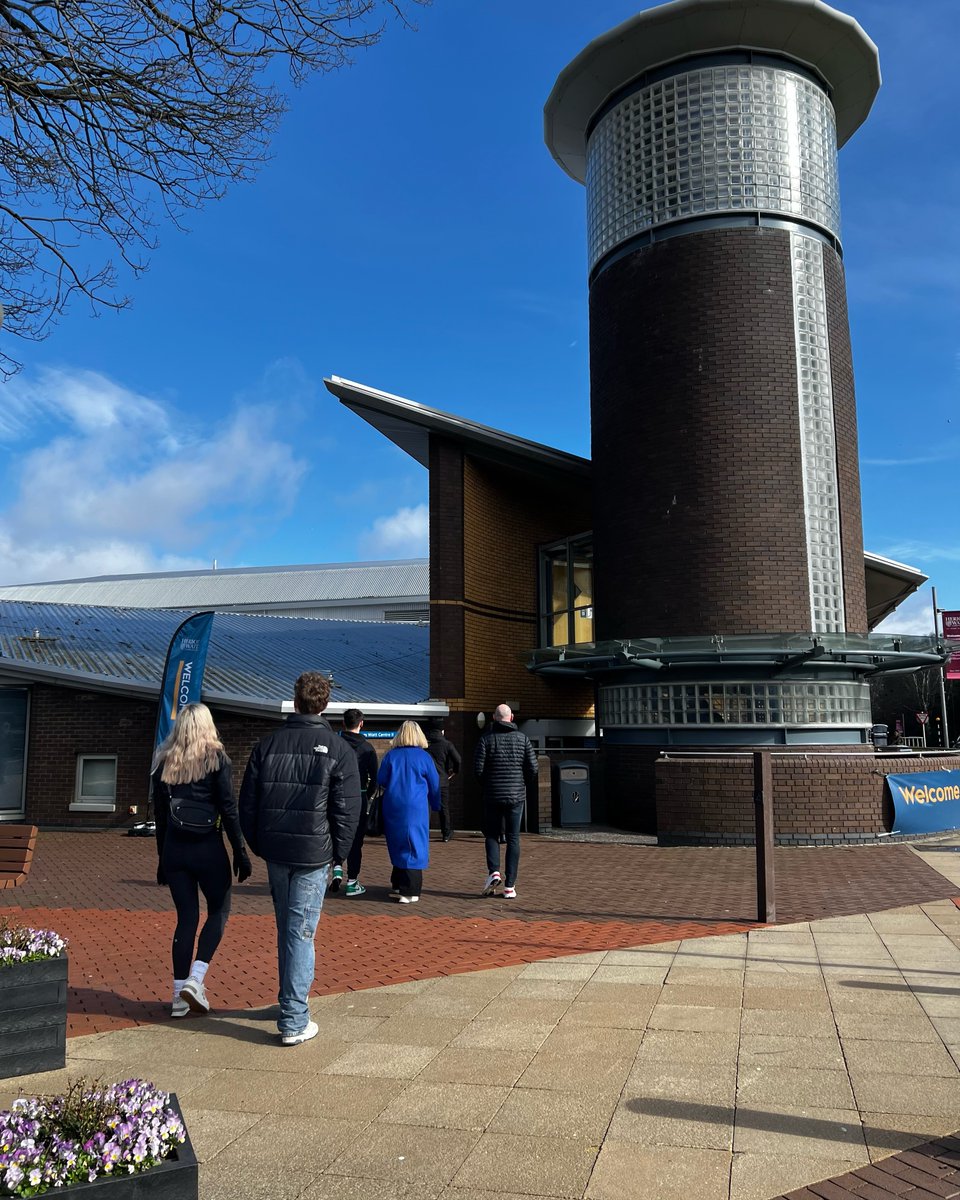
[944, 728]
[763, 812]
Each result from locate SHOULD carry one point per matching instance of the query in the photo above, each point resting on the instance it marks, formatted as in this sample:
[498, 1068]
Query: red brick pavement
[923, 1173]
[99, 891]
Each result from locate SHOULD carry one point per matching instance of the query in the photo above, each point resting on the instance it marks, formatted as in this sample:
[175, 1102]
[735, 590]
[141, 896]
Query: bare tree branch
[112, 109]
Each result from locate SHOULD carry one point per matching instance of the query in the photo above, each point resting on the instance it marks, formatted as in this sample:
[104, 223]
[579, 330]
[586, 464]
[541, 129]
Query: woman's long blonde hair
[193, 748]
[410, 734]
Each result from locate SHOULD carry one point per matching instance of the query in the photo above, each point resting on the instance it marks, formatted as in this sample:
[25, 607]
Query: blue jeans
[297, 900]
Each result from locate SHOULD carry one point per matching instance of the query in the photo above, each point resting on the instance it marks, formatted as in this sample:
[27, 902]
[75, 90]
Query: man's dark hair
[311, 693]
[435, 724]
[352, 718]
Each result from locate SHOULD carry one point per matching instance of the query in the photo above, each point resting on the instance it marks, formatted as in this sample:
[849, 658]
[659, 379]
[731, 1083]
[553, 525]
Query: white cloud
[127, 484]
[915, 615]
[403, 534]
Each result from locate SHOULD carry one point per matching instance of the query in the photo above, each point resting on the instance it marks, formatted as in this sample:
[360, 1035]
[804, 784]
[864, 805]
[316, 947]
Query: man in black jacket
[505, 763]
[299, 809]
[447, 758]
[369, 765]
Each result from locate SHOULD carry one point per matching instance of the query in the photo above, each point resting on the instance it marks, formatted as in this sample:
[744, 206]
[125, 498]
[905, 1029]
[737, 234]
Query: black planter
[33, 1016]
[174, 1179]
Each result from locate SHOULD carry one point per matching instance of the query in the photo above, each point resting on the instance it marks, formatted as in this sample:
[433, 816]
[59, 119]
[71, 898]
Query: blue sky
[412, 232]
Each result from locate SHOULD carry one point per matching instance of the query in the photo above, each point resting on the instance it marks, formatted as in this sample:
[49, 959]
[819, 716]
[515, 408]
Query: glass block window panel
[729, 703]
[719, 139]
[817, 437]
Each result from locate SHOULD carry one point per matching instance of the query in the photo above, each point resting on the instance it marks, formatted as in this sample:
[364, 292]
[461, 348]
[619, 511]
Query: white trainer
[409, 899]
[179, 1008]
[493, 882]
[196, 997]
[294, 1039]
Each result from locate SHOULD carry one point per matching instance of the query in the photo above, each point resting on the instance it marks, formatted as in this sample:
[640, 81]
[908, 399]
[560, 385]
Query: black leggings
[199, 864]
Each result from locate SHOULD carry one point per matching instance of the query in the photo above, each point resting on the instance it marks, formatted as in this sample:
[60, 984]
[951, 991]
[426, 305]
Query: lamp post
[944, 727]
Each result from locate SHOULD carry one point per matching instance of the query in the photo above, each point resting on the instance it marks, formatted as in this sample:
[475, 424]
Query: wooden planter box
[33, 1016]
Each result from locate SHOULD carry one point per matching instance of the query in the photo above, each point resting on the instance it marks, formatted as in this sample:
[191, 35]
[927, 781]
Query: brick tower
[727, 530]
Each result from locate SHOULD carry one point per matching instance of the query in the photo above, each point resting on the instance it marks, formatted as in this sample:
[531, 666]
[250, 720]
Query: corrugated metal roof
[406, 578]
[252, 659]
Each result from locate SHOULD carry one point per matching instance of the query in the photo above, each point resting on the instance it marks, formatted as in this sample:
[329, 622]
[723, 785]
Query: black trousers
[355, 857]
[446, 829]
[194, 866]
[503, 819]
[408, 881]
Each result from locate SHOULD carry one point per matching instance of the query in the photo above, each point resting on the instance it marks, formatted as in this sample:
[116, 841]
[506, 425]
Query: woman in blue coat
[411, 787]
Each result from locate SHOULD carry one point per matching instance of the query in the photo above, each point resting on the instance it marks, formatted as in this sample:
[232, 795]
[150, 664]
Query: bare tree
[111, 109]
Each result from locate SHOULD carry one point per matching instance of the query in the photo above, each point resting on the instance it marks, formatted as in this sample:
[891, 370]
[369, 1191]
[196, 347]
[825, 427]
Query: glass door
[13, 750]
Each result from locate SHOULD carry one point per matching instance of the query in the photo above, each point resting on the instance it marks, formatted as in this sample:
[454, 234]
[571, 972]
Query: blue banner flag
[183, 671]
[927, 802]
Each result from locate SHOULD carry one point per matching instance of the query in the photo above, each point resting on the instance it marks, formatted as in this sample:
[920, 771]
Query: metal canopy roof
[252, 662]
[829, 42]
[409, 425]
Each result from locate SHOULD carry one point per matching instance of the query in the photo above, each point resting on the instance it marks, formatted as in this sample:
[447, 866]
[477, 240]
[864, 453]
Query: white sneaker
[493, 882]
[409, 899]
[294, 1039]
[509, 893]
[195, 996]
[179, 1008]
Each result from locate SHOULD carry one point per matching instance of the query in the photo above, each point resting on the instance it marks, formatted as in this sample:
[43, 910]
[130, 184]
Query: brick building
[79, 688]
[699, 586]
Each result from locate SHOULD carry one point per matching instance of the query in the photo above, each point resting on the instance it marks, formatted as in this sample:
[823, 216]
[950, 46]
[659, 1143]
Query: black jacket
[505, 762]
[445, 754]
[300, 797]
[215, 788]
[367, 762]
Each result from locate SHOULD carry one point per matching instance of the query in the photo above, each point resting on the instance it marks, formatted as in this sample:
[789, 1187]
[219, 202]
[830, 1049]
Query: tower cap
[813, 34]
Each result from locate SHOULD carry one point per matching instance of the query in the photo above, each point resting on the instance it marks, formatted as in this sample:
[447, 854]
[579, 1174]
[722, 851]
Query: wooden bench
[17, 843]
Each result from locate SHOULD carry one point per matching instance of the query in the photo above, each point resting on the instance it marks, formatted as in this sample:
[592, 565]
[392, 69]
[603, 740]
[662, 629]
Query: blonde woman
[193, 808]
[411, 787]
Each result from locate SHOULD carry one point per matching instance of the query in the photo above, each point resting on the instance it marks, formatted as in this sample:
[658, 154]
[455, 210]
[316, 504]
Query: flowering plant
[19, 943]
[52, 1141]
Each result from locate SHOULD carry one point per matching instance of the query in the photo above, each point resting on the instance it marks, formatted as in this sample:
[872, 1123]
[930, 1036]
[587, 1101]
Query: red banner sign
[951, 629]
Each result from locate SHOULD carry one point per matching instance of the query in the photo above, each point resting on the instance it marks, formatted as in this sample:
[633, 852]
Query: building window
[566, 591]
[13, 750]
[96, 783]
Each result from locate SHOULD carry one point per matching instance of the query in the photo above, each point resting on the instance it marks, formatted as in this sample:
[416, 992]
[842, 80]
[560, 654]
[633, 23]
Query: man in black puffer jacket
[505, 762]
[299, 810]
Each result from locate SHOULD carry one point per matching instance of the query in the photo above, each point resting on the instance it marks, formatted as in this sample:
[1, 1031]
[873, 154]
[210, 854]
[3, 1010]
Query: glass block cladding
[738, 704]
[743, 138]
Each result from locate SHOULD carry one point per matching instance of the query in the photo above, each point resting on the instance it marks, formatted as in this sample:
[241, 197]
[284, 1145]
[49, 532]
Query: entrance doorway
[13, 751]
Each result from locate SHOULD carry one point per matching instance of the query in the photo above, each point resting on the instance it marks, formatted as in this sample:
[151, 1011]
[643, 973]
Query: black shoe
[446, 837]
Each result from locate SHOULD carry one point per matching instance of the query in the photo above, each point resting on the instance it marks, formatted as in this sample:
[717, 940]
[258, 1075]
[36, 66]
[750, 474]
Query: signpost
[923, 718]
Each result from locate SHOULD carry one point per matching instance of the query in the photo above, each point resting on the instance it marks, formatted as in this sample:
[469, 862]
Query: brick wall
[65, 723]
[696, 443]
[817, 798]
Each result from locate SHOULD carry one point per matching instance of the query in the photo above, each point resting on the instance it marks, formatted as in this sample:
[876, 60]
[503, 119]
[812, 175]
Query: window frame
[79, 804]
[562, 549]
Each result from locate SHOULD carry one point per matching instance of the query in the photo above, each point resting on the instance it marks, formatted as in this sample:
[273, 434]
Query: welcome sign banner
[183, 671]
[928, 802]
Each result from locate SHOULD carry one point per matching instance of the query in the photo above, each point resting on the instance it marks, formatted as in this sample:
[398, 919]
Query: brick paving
[98, 890]
[926, 1171]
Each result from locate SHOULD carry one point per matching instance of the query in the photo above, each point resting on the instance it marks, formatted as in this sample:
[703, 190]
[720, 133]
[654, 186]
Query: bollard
[763, 811]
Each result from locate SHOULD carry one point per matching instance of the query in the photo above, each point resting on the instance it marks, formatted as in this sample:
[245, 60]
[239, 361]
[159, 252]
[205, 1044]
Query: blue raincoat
[411, 787]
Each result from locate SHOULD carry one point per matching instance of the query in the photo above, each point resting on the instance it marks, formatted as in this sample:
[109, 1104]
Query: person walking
[193, 807]
[505, 763]
[411, 787]
[299, 809]
[446, 758]
[368, 764]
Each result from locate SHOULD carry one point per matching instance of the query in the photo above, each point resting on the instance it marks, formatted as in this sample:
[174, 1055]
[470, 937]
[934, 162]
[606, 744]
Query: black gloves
[161, 878]
[241, 865]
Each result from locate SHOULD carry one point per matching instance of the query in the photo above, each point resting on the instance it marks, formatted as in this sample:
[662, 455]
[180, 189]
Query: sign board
[923, 717]
[927, 802]
[951, 629]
